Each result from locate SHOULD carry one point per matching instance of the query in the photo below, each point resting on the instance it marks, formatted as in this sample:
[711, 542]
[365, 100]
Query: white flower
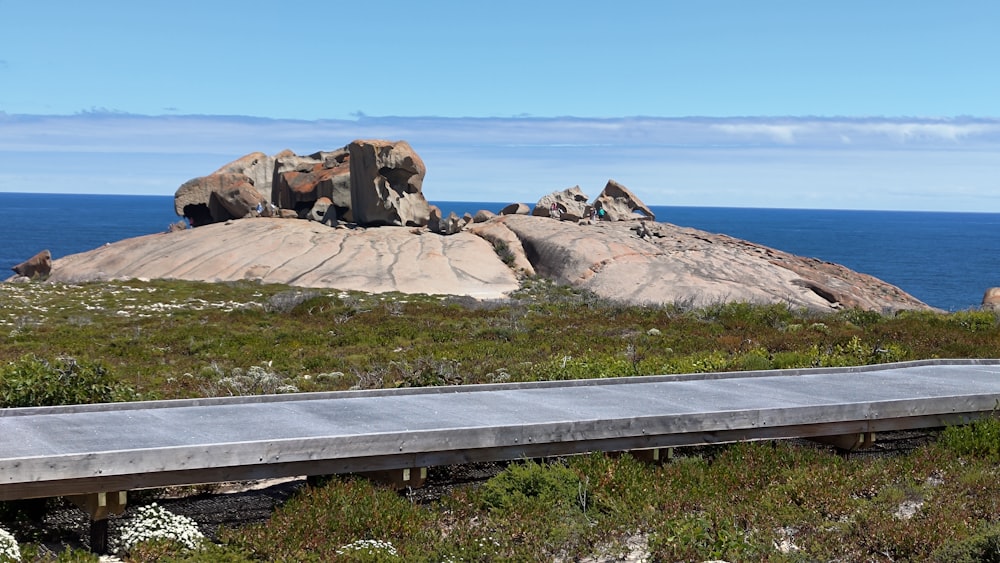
[370, 547]
[152, 522]
[9, 550]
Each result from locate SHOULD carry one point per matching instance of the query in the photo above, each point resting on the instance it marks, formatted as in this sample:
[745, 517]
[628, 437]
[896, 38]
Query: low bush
[35, 382]
[980, 439]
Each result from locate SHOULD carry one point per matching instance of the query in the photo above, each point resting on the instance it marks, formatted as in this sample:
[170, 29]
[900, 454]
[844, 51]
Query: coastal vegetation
[778, 501]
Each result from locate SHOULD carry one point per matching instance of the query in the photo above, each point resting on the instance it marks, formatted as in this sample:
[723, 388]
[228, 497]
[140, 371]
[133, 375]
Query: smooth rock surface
[631, 261]
[302, 253]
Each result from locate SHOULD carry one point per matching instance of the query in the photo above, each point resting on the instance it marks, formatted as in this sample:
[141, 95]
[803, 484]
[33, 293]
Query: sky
[844, 105]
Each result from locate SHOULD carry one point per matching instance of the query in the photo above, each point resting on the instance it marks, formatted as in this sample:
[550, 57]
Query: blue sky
[848, 105]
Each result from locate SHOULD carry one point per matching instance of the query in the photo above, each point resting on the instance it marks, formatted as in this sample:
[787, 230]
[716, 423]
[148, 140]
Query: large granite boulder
[324, 212]
[216, 198]
[300, 181]
[240, 201]
[620, 204]
[446, 225]
[662, 264]
[256, 166]
[303, 254]
[571, 204]
[991, 299]
[386, 183]
[38, 266]
[516, 209]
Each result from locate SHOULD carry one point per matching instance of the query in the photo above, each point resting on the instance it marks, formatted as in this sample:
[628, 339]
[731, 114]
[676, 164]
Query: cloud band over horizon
[946, 164]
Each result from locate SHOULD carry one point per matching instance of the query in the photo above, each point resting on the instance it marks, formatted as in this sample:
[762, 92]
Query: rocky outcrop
[620, 204]
[324, 212]
[483, 215]
[216, 198]
[571, 205]
[506, 244]
[380, 185]
[304, 254]
[386, 181]
[373, 183]
[516, 209]
[446, 225]
[38, 266]
[258, 167]
[300, 181]
[991, 299]
[634, 262]
[691, 268]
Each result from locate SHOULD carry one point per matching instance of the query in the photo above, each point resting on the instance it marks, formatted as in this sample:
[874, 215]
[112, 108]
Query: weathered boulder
[239, 200]
[386, 181]
[516, 209]
[196, 201]
[447, 225]
[300, 181]
[620, 204]
[483, 215]
[571, 203]
[256, 166]
[38, 266]
[991, 299]
[321, 212]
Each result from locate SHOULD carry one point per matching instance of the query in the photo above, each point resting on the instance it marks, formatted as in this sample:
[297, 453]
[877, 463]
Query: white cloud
[867, 163]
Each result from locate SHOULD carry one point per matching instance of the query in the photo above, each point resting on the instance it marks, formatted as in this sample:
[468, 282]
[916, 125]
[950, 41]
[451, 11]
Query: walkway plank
[51, 451]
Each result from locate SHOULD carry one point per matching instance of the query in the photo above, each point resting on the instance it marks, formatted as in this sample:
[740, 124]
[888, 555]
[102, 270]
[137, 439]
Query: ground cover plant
[744, 502]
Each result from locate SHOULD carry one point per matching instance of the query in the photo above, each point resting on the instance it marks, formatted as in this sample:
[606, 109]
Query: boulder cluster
[368, 183]
[622, 254]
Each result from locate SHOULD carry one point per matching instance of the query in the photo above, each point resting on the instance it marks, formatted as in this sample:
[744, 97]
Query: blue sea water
[946, 260]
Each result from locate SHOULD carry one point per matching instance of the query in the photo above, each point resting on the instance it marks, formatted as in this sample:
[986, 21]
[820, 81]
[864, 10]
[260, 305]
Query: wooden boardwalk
[55, 451]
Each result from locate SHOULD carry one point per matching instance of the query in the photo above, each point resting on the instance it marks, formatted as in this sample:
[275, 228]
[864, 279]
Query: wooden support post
[656, 456]
[99, 506]
[399, 478]
[848, 442]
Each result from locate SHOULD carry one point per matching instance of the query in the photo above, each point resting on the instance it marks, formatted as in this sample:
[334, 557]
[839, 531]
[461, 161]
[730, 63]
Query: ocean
[946, 260]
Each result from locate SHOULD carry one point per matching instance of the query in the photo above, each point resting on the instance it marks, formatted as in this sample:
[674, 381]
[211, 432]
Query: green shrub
[973, 321]
[983, 547]
[861, 317]
[980, 438]
[553, 485]
[344, 520]
[35, 382]
[700, 537]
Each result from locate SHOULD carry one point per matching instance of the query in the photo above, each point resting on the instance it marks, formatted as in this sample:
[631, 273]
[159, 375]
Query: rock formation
[300, 181]
[516, 209]
[446, 225]
[667, 265]
[483, 215]
[218, 197]
[324, 212]
[372, 183]
[386, 182]
[621, 204]
[38, 266]
[380, 185]
[991, 299]
[571, 203]
[303, 254]
[258, 167]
